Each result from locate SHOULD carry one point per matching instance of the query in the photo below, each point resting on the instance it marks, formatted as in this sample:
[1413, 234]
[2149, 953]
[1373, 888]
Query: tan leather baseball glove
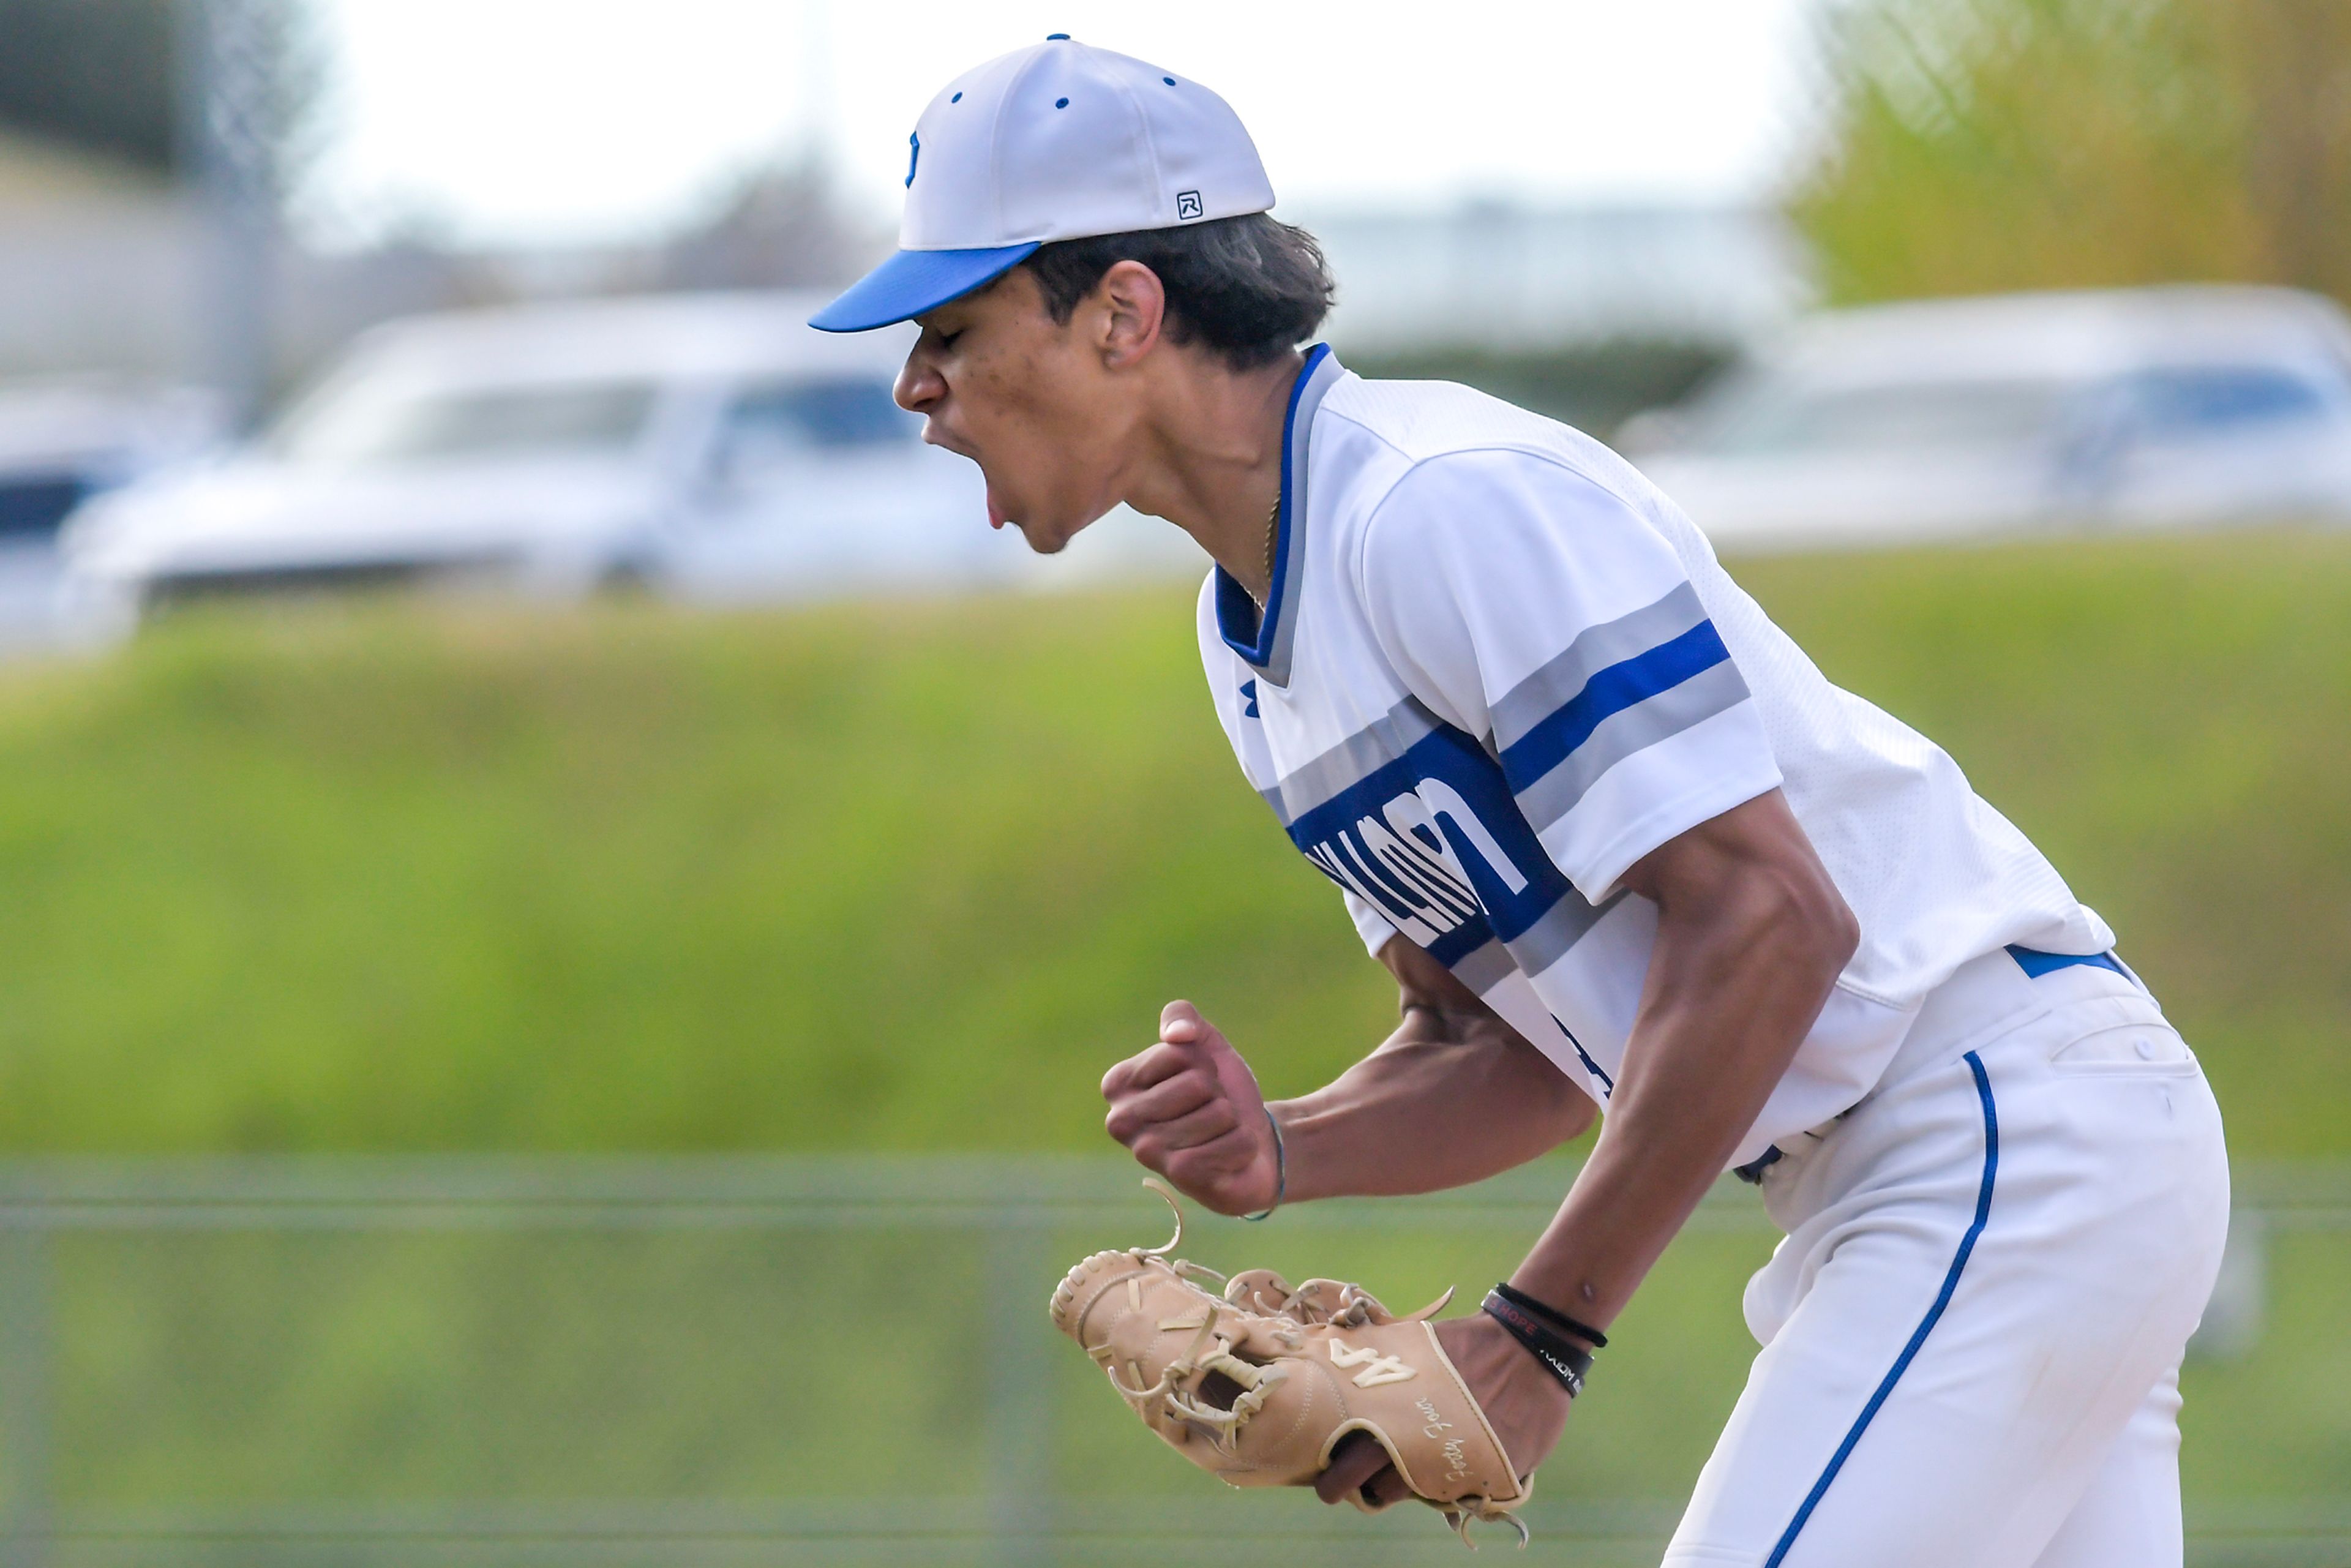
[1257, 1383]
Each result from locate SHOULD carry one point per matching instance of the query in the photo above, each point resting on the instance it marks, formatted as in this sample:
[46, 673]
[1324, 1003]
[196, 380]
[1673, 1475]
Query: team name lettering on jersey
[1428, 835]
[1399, 860]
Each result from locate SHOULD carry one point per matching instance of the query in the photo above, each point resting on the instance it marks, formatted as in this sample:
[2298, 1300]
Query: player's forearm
[1432, 1108]
[1732, 994]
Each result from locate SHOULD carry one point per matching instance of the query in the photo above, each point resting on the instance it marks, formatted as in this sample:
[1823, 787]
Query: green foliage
[911, 877]
[1980, 145]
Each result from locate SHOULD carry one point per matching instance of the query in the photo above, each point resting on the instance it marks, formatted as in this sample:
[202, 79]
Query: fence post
[25, 1518]
[1019, 1281]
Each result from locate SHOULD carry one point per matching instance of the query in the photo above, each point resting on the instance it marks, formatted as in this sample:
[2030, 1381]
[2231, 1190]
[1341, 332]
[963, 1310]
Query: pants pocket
[2150, 1050]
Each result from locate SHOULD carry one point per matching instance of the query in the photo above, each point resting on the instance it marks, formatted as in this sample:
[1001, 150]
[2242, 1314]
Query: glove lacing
[1341, 1303]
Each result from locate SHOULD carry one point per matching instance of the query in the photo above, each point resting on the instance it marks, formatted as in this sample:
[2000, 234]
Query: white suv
[712, 447]
[2172, 407]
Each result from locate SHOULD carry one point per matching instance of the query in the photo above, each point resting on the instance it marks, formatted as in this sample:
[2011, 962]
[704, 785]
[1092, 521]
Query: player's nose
[919, 387]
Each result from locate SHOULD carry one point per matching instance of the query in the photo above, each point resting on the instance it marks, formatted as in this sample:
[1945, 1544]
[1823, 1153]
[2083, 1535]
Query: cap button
[1056, 37]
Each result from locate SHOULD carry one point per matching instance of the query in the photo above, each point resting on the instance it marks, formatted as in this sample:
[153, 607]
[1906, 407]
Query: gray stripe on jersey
[1637, 729]
[1483, 967]
[1562, 926]
[1364, 752]
[1596, 648]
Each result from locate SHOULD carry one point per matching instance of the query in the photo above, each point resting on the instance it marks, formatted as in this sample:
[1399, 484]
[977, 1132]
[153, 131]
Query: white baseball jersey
[1497, 667]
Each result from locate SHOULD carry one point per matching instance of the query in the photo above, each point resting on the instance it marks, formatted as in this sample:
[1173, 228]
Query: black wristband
[1566, 1362]
[1551, 1315]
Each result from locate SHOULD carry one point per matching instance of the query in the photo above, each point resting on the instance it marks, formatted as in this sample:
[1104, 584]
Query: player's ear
[1132, 309]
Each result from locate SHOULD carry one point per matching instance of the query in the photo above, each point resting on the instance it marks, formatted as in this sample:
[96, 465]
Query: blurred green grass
[225, 1369]
[422, 876]
[402, 876]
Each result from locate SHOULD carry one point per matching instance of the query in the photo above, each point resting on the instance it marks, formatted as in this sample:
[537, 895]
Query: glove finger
[1356, 1459]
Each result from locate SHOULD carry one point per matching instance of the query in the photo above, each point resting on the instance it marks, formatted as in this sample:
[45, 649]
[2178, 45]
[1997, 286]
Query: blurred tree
[779, 227]
[94, 73]
[1977, 145]
[107, 75]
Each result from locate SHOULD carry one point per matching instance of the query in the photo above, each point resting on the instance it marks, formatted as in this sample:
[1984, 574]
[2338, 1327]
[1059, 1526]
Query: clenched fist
[1189, 1108]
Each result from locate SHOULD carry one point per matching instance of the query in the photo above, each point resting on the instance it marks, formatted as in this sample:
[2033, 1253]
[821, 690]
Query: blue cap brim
[914, 281]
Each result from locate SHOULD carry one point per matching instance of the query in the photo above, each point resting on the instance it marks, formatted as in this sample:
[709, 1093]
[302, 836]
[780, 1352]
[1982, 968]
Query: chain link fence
[431, 1361]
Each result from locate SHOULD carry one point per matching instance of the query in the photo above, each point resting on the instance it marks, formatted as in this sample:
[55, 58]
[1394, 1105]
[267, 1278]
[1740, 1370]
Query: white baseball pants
[1972, 1331]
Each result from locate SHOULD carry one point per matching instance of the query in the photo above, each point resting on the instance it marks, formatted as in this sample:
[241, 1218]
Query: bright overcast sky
[550, 121]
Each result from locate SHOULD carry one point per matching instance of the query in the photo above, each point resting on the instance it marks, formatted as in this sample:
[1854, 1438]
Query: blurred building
[101, 271]
[1510, 281]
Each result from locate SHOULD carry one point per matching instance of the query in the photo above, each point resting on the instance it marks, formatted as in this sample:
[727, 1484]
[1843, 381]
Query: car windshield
[2206, 400]
[372, 423]
[826, 411]
[1773, 417]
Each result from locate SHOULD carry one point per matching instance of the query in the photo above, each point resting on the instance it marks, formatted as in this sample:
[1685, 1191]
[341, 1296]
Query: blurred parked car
[707, 444]
[63, 441]
[2173, 407]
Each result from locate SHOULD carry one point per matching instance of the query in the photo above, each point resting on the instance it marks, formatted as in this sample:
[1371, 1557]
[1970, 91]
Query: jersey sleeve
[1538, 611]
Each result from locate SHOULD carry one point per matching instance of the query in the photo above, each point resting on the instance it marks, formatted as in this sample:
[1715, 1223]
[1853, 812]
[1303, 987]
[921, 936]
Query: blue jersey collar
[1265, 640]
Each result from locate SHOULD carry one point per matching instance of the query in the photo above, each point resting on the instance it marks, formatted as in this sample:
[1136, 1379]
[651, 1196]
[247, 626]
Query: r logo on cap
[1188, 205]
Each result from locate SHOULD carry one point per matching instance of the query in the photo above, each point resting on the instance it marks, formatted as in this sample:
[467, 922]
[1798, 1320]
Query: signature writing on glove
[1455, 1454]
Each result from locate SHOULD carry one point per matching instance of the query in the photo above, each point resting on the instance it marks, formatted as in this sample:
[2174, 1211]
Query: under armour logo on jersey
[1248, 699]
[915, 157]
[1377, 1369]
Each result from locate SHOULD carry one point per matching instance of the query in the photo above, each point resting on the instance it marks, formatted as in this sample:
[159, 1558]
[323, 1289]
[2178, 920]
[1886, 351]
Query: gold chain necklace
[1273, 532]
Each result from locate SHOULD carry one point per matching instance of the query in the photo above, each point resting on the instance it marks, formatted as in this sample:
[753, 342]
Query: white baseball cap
[1054, 142]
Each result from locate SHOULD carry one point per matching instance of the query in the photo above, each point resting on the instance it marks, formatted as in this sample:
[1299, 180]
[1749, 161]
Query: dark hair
[1250, 287]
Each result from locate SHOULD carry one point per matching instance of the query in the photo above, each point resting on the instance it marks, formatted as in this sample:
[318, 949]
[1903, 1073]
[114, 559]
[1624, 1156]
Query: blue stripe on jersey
[2035, 963]
[1610, 692]
[1536, 696]
[1264, 638]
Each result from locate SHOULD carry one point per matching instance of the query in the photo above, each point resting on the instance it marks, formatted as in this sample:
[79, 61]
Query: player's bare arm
[1751, 934]
[1453, 1096]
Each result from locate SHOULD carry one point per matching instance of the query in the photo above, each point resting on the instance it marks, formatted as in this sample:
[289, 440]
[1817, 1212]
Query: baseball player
[1624, 849]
